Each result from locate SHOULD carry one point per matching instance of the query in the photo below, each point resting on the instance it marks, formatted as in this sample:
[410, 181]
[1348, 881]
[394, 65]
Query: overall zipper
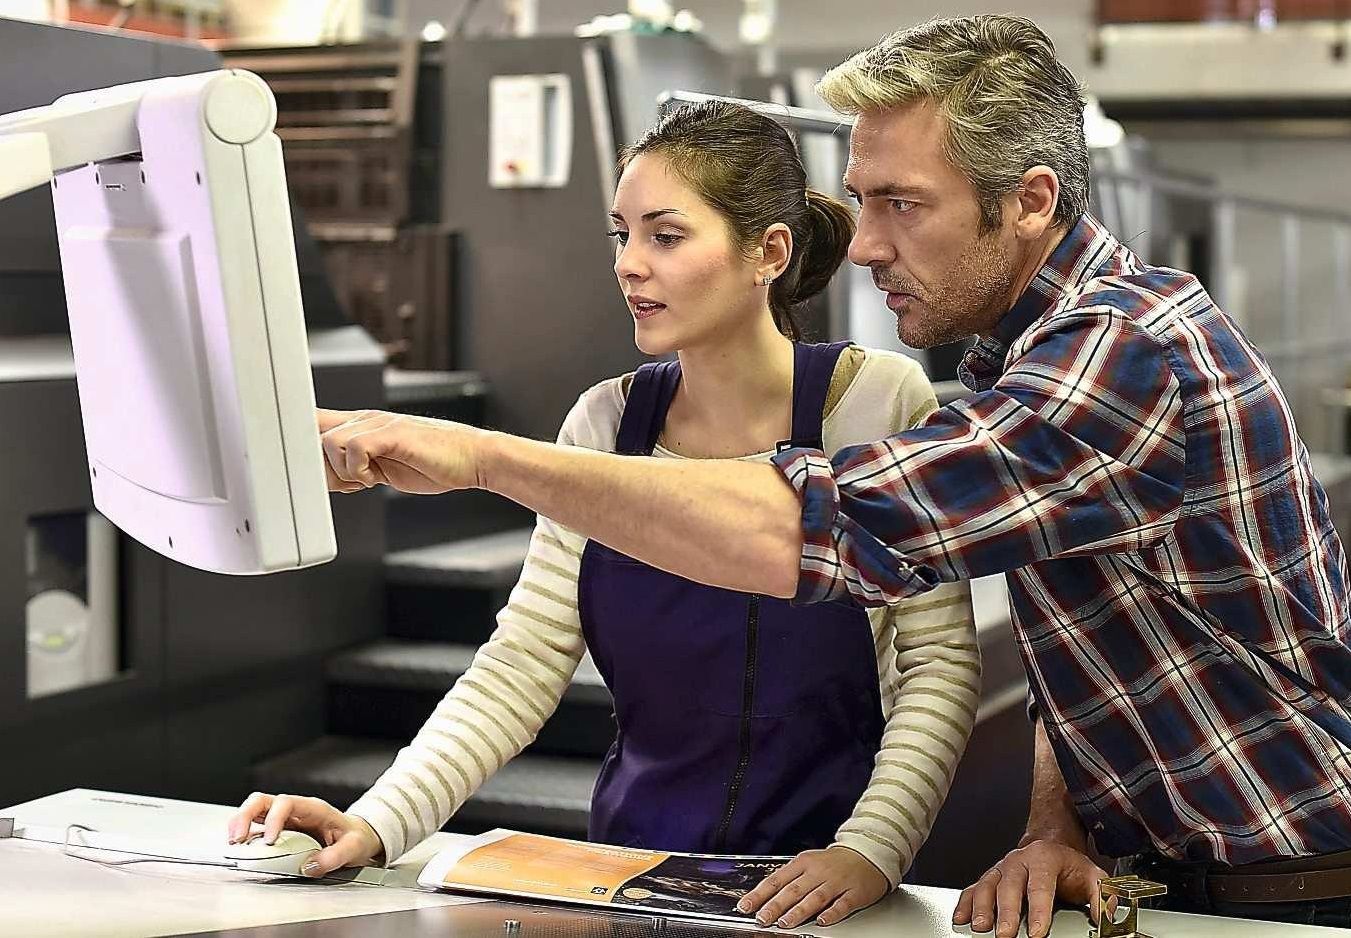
[744, 740]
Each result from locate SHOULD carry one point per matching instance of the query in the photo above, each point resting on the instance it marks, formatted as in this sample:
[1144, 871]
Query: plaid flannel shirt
[1177, 589]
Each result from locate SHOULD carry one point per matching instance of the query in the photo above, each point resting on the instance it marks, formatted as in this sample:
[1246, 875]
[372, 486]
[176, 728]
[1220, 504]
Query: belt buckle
[1127, 891]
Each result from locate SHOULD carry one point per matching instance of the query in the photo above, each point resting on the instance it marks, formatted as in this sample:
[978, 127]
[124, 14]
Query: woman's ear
[776, 250]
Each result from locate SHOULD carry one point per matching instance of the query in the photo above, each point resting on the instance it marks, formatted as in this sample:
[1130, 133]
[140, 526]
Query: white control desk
[45, 892]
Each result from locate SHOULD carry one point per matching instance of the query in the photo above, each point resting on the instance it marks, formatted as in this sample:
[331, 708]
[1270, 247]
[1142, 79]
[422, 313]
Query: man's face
[919, 229]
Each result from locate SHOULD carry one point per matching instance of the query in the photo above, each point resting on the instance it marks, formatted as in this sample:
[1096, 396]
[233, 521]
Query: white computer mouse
[291, 851]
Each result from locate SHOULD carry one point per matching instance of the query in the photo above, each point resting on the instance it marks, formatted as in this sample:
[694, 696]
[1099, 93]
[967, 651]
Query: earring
[766, 281]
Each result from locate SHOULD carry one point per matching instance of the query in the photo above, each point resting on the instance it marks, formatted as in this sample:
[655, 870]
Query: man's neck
[1034, 260]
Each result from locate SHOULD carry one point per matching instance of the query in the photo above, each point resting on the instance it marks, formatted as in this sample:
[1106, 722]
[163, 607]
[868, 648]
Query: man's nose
[869, 245]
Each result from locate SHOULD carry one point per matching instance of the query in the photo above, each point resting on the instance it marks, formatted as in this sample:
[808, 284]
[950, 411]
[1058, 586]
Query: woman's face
[685, 279]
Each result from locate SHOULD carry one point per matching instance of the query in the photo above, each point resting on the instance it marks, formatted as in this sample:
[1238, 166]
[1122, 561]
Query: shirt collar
[1076, 259]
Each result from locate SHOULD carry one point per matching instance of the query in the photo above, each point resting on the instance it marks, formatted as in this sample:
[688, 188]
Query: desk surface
[45, 892]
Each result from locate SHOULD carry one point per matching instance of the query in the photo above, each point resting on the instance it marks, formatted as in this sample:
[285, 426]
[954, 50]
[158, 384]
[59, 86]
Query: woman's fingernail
[742, 907]
[782, 923]
[311, 868]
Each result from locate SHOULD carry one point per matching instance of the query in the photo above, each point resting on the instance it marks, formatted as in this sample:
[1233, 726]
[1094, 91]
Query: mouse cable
[66, 849]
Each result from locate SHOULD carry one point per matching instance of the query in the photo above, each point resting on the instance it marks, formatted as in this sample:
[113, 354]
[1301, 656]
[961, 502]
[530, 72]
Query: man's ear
[1038, 194]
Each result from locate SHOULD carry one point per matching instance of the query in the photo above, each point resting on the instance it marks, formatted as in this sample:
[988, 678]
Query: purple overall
[746, 724]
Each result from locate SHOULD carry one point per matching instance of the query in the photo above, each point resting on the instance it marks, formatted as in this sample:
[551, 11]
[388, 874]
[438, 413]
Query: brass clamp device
[1120, 922]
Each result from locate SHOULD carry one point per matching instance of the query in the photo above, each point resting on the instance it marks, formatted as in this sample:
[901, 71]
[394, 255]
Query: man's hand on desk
[348, 840]
[828, 884]
[365, 448]
[1039, 871]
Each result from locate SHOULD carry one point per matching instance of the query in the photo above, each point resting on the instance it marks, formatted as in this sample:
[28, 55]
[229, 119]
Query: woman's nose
[629, 264]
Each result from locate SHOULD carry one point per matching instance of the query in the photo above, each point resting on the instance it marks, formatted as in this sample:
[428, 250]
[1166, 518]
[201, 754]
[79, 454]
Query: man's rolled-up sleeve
[1079, 447]
[839, 559]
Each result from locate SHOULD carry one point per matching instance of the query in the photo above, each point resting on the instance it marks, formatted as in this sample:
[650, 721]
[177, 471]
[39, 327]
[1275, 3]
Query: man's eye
[619, 235]
[901, 205]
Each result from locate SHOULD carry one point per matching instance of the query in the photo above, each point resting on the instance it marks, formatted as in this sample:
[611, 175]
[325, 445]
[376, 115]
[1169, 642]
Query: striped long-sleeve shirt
[1178, 591]
[927, 659]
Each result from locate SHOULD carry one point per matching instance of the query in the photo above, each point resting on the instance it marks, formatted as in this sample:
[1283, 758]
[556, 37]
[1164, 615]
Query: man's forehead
[900, 148]
[871, 173]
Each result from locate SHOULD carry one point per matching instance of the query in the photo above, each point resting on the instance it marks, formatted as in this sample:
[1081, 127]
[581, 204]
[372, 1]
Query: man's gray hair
[1008, 101]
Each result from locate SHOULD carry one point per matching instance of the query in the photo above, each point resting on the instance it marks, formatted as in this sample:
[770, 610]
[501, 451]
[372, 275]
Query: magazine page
[508, 863]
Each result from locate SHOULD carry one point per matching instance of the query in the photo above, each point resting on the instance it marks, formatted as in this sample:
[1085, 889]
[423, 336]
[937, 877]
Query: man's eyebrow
[889, 189]
[649, 216]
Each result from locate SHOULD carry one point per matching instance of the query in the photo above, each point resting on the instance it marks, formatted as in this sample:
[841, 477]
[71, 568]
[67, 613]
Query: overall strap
[654, 385]
[813, 367]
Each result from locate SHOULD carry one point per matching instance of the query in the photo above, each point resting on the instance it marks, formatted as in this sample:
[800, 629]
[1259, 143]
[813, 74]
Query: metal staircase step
[424, 520]
[447, 395]
[490, 561]
[387, 690]
[451, 590]
[436, 666]
[533, 793]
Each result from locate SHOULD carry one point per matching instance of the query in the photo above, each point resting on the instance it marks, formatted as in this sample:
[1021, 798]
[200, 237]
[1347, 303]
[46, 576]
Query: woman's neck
[735, 394]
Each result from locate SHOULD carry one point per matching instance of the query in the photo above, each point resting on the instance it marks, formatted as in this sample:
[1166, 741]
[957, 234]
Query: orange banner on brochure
[547, 866]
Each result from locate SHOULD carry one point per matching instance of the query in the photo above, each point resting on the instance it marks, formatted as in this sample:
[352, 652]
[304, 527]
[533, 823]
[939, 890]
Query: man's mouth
[898, 301]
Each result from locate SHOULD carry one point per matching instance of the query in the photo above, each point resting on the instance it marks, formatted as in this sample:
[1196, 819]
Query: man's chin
[916, 338]
[923, 335]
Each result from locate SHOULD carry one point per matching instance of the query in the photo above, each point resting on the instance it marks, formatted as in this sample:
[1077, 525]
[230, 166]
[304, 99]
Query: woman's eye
[619, 235]
[666, 239]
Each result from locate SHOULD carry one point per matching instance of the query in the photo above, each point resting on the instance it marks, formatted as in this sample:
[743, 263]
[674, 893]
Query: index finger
[768, 888]
[328, 419]
[253, 809]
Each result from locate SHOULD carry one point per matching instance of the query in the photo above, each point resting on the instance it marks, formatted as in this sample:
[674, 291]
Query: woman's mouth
[644, 308]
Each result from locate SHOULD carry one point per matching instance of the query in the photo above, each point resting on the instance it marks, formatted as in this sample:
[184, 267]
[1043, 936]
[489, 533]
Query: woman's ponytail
[830, 229]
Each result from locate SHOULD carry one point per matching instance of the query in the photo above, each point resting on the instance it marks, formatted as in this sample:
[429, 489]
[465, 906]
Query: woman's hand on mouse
[365, 448]
[348, 840]
[827, 885]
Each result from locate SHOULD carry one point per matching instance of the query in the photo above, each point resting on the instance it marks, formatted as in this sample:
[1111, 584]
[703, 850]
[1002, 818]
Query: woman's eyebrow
[660, 212]
[649, 216]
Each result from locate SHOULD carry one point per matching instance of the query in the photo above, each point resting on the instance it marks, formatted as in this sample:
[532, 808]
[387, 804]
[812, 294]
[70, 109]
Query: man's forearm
[722, 522]
[1051, 814]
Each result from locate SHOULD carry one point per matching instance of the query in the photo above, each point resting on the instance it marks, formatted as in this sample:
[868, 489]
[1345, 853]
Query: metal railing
[1282, 272]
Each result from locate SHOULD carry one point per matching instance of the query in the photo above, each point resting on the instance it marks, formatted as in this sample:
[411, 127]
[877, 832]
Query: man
[1177, 588]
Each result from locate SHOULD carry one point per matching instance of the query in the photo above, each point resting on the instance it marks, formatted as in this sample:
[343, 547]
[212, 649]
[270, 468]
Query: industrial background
[1223, 146]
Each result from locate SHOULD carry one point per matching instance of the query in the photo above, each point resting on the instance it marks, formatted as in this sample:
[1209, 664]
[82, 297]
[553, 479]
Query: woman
[745, 724]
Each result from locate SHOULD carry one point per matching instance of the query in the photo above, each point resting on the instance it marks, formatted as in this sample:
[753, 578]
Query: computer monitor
[185, 316]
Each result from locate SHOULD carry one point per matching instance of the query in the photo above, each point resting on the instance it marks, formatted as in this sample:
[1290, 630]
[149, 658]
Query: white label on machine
[530, 131]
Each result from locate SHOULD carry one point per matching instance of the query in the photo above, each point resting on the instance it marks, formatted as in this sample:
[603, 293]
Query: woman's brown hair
[746, 166]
